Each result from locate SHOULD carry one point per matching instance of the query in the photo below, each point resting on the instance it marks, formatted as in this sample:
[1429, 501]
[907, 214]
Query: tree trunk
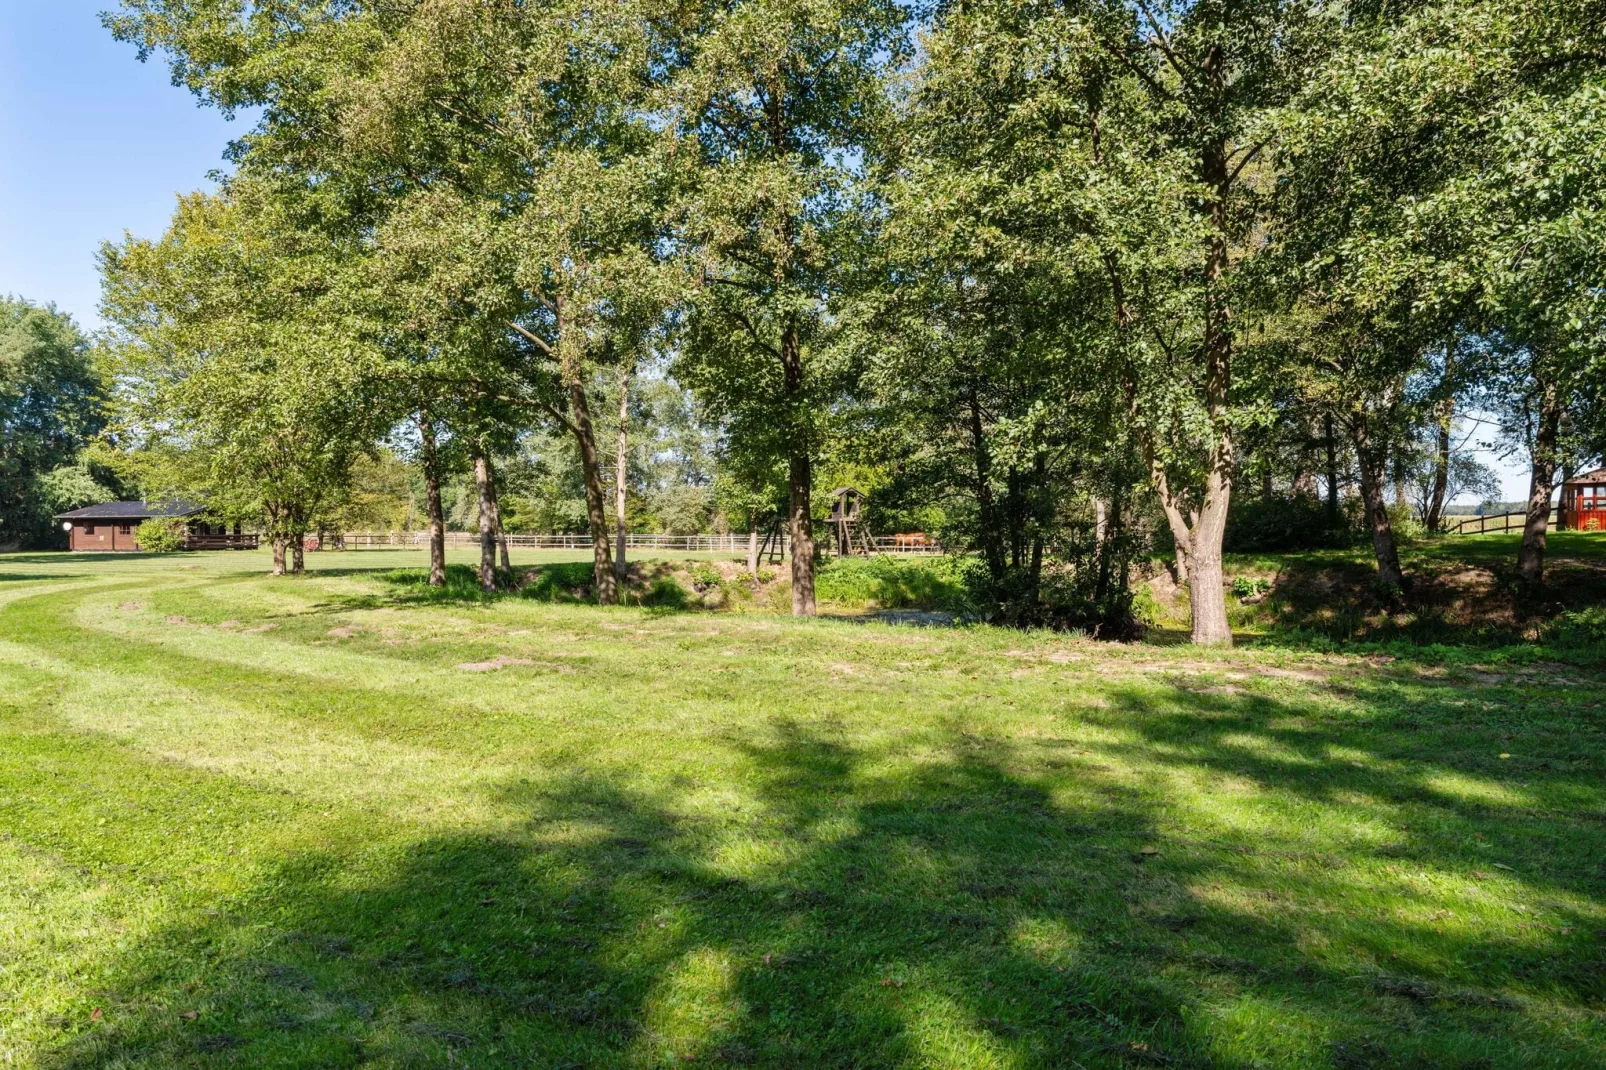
[1561, 501]
[799, 478]
[501, 533]
[1107, 529]
[992, 548]
[1304, 481]
[1035, 572]
[596, 507]
[496, 515]
[1207, 588]
[799, 484]
[1206, 584]
[280, 545]
[432, 501]
[1114, 537]
[752, 547]
[621, 474]
[1015, 517]
[1531, 555]
[1332, 470]
[1181, 534]
[298, 556]
[487, 502]
[1433, 515]
[1372, 460]
[569, 351]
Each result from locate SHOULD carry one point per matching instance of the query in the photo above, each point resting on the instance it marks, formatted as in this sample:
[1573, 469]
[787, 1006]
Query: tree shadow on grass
[613, 929]
[1441, 809]
[969, 909]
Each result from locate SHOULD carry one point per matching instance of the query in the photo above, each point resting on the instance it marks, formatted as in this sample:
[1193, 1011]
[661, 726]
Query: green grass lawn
[312, 821]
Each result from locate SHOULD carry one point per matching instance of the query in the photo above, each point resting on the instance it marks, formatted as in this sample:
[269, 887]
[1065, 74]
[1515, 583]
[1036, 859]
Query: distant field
[320, 821]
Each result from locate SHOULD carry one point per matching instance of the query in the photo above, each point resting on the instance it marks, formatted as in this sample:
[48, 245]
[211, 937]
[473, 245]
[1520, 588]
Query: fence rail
[720, 544]
[221, 542]
[1492, 524]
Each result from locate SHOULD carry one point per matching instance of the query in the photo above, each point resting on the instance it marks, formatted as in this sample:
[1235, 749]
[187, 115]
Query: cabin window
[89, 529]
[125, 529]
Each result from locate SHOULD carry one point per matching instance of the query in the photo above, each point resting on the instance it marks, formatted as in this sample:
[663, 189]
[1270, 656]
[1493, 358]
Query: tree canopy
[1073, 285]
[52, 404]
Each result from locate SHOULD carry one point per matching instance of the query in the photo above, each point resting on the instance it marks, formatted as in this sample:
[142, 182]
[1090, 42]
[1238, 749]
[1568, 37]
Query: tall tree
[228, 342]
[51, 405]
[531, 117]
[780, 99]
[1210, 71]
[1119, 146]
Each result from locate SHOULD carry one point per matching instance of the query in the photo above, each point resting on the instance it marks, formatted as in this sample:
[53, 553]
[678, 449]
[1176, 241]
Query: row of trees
[1054, 266]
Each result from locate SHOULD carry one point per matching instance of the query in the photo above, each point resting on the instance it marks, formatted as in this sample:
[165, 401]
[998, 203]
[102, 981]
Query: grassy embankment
[328, 821]
[1464, 602]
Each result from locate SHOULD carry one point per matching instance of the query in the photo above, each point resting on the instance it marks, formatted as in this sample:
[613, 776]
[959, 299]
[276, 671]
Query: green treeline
[1063, 284]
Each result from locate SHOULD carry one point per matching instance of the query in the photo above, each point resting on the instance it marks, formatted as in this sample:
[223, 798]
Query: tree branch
[537, 339]
[1248, 156]
[1163, 41]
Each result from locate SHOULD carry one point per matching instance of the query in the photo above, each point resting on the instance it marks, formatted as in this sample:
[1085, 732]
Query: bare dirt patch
[493, 665]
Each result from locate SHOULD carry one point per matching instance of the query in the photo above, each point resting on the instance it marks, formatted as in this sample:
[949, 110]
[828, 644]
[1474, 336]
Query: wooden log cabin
[112, 527]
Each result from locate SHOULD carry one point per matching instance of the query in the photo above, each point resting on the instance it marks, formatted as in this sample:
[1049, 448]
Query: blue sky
[94, 143]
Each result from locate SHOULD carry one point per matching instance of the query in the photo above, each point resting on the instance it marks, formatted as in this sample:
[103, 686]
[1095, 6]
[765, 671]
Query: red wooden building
[111, 527]
[1583, 502]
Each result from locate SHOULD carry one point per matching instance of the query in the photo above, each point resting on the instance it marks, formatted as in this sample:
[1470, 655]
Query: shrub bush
[934, 583]
[1407, 528]
[664, 593]
[1249, 586]
[567, 581]
[160, 536]
[1578, 630]
[705, 576]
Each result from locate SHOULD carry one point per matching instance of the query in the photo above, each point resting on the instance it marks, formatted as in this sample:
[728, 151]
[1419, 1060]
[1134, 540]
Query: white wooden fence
[735, 544]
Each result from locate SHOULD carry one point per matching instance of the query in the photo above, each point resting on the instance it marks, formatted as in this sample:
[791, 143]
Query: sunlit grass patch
[497, 832]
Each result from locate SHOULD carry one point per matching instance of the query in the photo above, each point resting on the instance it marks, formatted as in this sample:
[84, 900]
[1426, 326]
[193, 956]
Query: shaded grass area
[298, 822]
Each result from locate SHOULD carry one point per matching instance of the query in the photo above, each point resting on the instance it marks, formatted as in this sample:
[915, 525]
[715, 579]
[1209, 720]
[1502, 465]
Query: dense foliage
[51, 406]
[1064, 285]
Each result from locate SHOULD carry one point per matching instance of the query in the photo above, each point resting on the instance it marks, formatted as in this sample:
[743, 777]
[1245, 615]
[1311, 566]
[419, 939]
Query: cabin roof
[1597, 476]
[133, 511]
